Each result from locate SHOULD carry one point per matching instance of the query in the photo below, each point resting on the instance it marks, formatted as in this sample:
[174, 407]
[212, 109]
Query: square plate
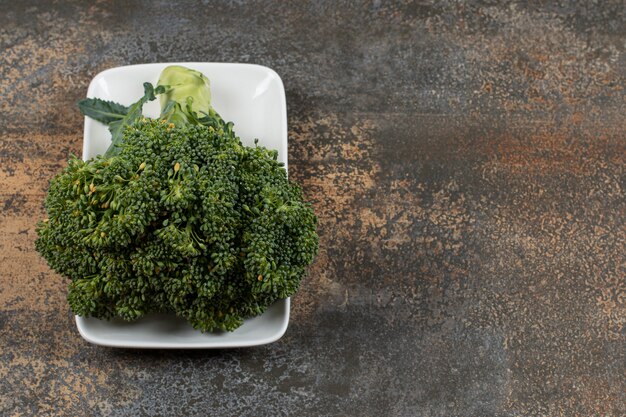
[253, 98]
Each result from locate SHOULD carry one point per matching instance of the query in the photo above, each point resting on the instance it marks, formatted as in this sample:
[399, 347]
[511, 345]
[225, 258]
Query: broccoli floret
[181, 219]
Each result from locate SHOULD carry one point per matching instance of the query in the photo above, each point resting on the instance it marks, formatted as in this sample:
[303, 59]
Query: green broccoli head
[183, 219]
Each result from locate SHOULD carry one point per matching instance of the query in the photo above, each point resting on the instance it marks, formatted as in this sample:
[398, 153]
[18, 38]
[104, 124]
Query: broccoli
[177, 217]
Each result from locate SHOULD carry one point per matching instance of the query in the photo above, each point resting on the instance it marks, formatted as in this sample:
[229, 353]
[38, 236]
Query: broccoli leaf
[102, 110]
[134, 113]
[173, 113]
[116, 115]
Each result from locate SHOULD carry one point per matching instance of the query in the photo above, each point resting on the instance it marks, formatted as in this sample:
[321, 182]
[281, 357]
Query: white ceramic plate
[253, 98]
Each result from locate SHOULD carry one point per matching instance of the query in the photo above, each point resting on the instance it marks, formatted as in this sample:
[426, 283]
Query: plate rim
[115, 343]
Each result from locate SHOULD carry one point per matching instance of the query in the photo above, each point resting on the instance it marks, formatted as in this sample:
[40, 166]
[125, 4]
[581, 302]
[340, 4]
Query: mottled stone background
[466, 161]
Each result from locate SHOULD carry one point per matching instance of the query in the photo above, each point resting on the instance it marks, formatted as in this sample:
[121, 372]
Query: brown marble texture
[466, 161]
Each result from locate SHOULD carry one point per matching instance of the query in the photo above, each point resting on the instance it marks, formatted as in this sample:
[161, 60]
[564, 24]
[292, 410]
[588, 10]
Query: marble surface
[465, 159]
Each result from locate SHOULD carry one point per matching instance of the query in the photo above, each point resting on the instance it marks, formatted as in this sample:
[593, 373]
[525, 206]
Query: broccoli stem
[187, 95]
